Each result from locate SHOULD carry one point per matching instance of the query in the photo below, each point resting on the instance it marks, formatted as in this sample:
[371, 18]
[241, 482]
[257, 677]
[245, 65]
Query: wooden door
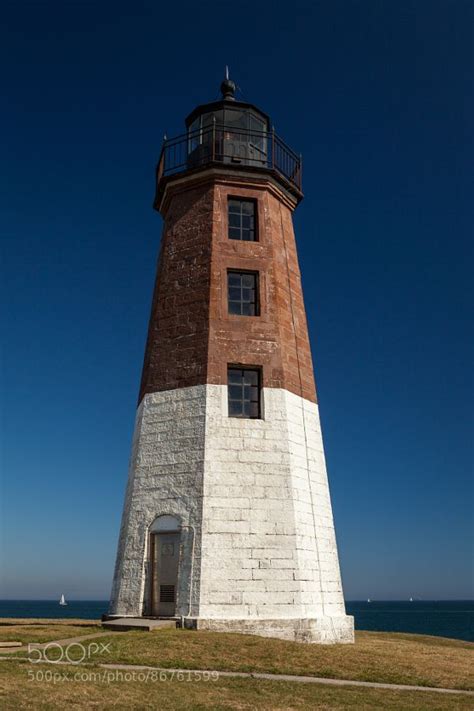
[164, 574]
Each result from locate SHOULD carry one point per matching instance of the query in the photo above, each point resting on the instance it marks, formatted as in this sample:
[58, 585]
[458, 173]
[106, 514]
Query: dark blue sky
[378, 97]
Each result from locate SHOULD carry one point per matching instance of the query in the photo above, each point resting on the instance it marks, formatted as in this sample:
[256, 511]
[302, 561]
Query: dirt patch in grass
[25, 686]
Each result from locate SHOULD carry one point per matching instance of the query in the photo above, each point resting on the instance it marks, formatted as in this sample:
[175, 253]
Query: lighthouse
[227, 522]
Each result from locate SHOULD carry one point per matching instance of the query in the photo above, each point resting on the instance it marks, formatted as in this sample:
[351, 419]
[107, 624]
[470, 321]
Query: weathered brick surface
[177, 345]
[192, 338]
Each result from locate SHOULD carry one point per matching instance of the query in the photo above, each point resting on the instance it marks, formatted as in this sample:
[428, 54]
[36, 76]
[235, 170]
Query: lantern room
[231, 133]
[228, 131]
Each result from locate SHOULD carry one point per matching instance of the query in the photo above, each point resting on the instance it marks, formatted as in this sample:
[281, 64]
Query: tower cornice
[244, 177]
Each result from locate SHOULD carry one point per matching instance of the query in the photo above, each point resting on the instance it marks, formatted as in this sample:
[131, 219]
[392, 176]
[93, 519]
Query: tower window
[244, 392]
[242, 293]
[242, 220]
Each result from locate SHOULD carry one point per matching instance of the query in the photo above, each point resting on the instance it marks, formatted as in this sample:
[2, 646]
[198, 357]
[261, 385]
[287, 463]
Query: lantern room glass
[228, 135]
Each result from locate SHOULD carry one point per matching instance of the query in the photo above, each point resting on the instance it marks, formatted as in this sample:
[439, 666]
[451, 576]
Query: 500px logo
[74, 653]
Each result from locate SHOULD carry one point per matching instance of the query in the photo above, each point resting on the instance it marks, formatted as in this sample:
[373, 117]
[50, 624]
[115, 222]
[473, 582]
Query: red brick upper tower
[229, 154]
[227, 520]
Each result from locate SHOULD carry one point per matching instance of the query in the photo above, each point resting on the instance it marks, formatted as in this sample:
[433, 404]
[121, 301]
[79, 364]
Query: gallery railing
[219, 143]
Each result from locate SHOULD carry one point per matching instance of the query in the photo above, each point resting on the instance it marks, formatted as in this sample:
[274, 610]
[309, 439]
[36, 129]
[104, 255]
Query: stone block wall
[257, 539]
[268, 543]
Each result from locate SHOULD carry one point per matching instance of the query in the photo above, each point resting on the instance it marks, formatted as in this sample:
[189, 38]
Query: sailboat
[62, 600]
[410, 600]
[369, 600]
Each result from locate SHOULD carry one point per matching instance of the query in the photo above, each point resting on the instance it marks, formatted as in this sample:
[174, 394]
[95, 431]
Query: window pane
[254, 393]
[250, 377]
[235, 408]
[234, 118]
[254, 409]
[241, 215]
[256, 124]
[235, 392]
[241, 293]
[243, 392]
[234, 233]
[234, 278]
[234, 206]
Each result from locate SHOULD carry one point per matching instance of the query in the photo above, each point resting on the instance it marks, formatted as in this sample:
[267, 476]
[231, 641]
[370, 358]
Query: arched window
[165, 524]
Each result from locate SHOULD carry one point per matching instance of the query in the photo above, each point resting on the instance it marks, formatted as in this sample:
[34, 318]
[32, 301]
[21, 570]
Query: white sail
[62, 600]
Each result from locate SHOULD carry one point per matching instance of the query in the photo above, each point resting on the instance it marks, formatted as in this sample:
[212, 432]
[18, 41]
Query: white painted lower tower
[257, 547]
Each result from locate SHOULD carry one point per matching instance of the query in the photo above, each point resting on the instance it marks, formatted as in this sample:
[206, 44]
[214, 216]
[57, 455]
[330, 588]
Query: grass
[41, 632]
[6, 621]
[383, 657]
[18, 691]
[376, 656]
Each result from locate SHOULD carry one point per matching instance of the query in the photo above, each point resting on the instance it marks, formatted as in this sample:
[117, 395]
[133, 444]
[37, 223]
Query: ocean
[453, 619]
[444, 618]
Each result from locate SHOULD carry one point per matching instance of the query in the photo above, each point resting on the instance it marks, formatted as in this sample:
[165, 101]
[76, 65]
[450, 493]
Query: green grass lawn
[44, 632]
[376, 656]
[18, 692]
[383, 657]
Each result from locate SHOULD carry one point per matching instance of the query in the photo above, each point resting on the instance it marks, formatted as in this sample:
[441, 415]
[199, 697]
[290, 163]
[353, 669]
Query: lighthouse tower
[227, 523]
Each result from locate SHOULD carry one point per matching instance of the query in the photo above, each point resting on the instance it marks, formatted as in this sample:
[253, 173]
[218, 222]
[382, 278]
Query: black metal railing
[220, 143]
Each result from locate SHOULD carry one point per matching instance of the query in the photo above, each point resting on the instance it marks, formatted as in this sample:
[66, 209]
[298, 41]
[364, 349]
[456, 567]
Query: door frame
[152, 546]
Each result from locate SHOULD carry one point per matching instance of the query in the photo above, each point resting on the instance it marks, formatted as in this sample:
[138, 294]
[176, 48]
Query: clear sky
[378, 97]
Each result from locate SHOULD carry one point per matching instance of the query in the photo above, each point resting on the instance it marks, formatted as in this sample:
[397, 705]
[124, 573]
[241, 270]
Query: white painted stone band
[254, 492]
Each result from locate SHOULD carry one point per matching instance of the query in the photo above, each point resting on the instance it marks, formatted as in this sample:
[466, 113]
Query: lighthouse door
[164, 577]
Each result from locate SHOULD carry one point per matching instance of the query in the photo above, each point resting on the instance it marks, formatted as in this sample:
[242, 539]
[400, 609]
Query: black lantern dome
[237, 130]
[230, 132]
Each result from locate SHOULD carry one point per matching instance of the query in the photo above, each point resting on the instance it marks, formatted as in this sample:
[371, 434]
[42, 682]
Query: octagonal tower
[227, 522]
